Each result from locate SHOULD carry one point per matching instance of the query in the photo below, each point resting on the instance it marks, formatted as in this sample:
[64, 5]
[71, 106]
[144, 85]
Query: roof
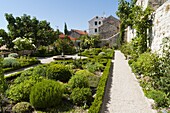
[111, 18]
[97, 17]
[80, 32]
[62, 36]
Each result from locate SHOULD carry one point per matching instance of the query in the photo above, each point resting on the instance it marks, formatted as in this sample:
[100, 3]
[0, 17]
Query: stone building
[94, 25]
[109, 28]
[155, 4]
[76, 33]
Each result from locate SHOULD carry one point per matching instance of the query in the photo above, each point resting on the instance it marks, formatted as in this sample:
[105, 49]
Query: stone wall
[161, 26]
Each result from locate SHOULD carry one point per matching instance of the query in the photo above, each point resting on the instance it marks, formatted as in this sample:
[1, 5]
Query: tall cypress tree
[65, 29]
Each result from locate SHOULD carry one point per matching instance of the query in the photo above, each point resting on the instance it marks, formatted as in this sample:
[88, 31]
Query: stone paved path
[125, 95]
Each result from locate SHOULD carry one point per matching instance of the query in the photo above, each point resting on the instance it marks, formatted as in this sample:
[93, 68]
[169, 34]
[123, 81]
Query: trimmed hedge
[80, 96]
[22, 66]
[78, 81]
[96, 105]
[58, 72]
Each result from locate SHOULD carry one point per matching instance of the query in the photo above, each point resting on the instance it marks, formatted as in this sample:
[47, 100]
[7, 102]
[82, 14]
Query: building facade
[109, 28]
[94, 25]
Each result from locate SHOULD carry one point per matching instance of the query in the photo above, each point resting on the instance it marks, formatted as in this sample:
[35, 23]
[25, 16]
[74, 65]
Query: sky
[75, 13]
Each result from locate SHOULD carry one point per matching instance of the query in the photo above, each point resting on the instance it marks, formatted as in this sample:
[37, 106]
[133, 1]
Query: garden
[13, 62]
[152, 71]
[61, 86]
[151, 68]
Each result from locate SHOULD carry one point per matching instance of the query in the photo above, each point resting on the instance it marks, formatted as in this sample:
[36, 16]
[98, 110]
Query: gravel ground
[125, 95]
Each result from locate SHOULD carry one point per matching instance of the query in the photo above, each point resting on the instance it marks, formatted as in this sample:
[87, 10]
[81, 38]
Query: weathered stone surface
[109, 28]
[161, 25]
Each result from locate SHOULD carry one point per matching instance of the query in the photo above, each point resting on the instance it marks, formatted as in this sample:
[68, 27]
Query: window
[99, 22]
[96, 17]
[95, 23]
[95, 30]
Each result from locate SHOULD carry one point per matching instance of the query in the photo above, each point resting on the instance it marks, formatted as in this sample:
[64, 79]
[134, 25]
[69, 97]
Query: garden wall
[161, 26]
[160, 29]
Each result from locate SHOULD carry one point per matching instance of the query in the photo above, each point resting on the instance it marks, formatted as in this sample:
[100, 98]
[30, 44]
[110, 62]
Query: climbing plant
[142, 21]
[124, 12]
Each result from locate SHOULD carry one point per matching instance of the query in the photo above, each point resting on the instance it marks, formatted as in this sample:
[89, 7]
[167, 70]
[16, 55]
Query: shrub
[58, 72]
[146, 64]
[81, 96]
[126, 49]
[14, 55]
[21, 91]
[46, 94]
[92, 67]
[10, 62]
[42, 50]
[23, 107]
[78, 81]
[24, 76]
[159, 97]
[102, 54]
[40, 70]
[84, 72]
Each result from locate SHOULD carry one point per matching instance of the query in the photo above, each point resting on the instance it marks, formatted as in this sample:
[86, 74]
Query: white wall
[92, 25]
[161, 26]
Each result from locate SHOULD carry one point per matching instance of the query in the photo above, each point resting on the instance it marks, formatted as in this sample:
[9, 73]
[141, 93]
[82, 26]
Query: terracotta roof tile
[80, 32]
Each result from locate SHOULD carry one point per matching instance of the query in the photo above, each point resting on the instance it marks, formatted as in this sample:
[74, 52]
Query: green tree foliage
[89, 41]
[65, 29]
[46, 94]
[21, 91]
[64, 45]
[141, 22]
[58, 72]
[5, 38]
[27, 27]
[23, 44]
[164, 77]
[124, 9]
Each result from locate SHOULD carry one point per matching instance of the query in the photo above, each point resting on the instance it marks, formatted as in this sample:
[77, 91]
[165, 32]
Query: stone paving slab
[126, 95]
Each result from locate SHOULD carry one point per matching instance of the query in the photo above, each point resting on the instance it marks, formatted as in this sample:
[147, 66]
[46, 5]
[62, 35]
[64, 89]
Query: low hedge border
[97, 103]
[5, 70]
[15, 75]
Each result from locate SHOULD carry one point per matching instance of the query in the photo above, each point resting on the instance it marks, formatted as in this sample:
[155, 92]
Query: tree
[123, 13]
[64, 45]
[88, 41]
[5, 39]
[3, 85]
[27, 27]
[65, 29]
[142, 21]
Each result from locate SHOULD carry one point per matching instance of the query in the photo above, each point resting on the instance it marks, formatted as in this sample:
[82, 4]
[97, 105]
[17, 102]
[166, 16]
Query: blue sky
[75, 13]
